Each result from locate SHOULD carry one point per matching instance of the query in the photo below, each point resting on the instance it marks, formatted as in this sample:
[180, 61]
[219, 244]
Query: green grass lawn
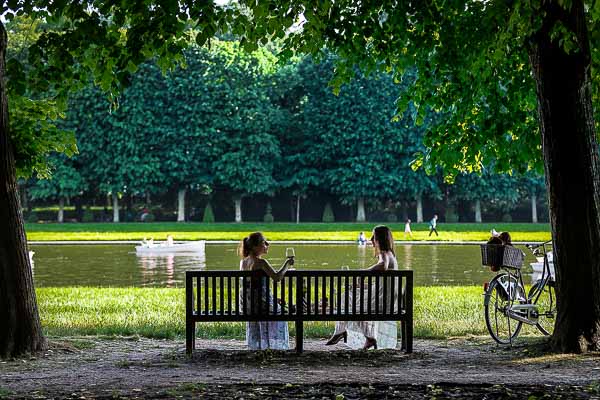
[275, 231]
[440, 312]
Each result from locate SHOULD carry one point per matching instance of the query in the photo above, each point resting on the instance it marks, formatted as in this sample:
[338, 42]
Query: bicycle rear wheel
[546, 306]
[496, 302]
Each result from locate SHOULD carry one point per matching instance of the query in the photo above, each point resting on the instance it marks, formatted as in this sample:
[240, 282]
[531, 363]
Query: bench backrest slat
[303, 295]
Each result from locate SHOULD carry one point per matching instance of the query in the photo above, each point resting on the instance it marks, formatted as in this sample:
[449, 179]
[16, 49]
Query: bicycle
[506, 306]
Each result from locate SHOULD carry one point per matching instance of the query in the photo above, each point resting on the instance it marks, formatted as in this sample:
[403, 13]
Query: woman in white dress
[262, 335]
[383, 334]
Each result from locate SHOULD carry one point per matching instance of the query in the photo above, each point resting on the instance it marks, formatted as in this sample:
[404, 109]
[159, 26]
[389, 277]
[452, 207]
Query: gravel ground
[144, 368]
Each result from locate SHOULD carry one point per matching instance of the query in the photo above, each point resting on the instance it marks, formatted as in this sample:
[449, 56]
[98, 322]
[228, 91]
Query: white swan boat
[150, 247]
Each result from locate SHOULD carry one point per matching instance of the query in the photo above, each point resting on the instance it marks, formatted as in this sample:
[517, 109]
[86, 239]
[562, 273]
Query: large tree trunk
[24, 202]
[115, 201]
[534, 217]
[61, 210]
[20, 329]
[181, 205]
[238, 209]
[419, 208]
[360, 213]
[572, 174]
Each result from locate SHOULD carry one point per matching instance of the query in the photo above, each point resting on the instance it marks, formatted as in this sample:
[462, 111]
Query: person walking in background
[407, 230]
[433, 225]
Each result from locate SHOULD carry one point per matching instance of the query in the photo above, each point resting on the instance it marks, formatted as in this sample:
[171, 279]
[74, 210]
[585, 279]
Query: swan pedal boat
[164, 247]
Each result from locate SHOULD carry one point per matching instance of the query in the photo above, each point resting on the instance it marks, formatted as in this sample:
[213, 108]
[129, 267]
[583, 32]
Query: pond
[118, 265]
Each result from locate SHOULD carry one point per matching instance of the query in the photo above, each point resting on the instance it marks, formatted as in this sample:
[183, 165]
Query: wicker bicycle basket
[497, 255]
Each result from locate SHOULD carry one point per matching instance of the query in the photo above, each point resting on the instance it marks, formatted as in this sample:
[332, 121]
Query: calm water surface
[118, 265]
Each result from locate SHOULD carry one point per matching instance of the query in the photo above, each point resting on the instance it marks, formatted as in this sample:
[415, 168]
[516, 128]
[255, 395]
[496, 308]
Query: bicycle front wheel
[546, 303]
[497, 302]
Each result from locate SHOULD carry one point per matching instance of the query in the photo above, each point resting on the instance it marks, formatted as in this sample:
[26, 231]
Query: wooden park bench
[221, 296]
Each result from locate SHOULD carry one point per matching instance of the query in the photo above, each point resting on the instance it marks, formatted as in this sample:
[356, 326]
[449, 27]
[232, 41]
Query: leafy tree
[498, 191]
[298, 171]
[352, 136]
[242, 114]
[472, 62]
[533, 186]
[94, 41]
[65, 182]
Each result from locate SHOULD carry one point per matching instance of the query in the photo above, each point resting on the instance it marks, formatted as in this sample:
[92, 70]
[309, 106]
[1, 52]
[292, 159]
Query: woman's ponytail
[243, 248]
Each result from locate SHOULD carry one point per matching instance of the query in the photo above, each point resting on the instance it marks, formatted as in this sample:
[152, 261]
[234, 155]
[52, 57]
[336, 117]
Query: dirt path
[142, 368]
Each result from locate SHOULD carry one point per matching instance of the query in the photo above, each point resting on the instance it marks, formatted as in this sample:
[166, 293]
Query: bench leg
[299, 337]
[403, 333]
[190, 337]
[409, 335]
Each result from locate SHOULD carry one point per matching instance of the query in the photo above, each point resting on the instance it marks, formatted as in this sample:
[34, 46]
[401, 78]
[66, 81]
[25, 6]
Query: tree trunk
[238, 209]
[419, 208]
[298, 209]
[61, 210]
[181, 205]
[20, 329]
[478, 210]
[534, 217]
[563, 86]
[115, 199]
[24, 202]
[405, 206]
[360, 213]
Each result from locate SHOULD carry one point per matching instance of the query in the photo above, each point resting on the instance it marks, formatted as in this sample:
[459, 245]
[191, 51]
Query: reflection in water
[362, 256]
[160, 266]
[118, 265]
[434, 266]
[407, 257]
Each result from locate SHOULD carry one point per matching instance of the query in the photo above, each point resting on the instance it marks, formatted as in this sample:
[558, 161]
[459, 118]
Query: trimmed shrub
[32, 217]
[506, 218]
[328, 215]
[451, 215]
[391, 217]
[88, 216]
[268, 214]
[149, 218]
[208, 216]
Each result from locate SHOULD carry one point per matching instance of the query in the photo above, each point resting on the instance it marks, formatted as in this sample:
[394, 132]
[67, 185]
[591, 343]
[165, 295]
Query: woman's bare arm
[381, 265]
[275, 275]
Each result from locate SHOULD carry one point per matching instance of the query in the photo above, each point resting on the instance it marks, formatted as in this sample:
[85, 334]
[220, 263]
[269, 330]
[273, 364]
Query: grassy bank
[274, 231]
[440, 312]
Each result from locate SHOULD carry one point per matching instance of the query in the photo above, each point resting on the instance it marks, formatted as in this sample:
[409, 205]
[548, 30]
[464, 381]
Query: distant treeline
[260, 141]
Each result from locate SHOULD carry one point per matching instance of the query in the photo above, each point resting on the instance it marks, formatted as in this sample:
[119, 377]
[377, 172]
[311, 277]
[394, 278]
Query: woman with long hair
[262, 334]
[375, 334]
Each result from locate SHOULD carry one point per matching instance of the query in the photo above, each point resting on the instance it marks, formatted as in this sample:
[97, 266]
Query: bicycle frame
[546, 274]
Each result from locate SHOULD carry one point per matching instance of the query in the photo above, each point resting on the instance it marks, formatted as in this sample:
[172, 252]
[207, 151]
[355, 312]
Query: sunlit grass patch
[440, 312]
[275, 231]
